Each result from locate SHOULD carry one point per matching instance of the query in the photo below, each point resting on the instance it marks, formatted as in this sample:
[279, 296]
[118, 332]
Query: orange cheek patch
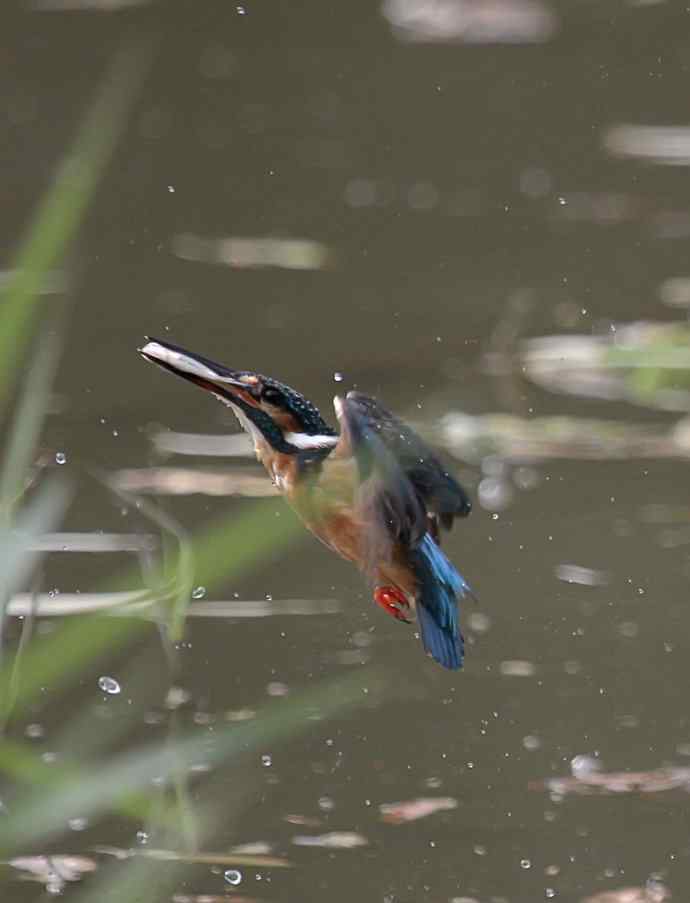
[285, 421]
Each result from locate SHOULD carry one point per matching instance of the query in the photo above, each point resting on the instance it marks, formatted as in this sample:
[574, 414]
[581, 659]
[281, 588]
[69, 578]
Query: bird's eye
[271, 395]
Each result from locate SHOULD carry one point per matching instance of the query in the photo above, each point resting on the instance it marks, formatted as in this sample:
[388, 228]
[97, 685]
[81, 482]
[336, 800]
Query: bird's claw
[393, 601]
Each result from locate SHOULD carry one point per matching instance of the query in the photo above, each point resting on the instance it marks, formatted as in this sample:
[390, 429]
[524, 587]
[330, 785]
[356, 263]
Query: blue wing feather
[440, 589]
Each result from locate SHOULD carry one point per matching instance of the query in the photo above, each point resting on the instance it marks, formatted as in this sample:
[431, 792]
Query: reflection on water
[489, 22]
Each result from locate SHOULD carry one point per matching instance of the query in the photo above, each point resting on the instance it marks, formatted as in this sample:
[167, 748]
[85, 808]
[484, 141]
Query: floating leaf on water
[232, 445]
[236, 857]
[657, 893]
[188, 481]
[54, 869]
[662, 144]
[411, 810]
[95, 542]
[306, 821]
[253, 253]
[209, 898]
[240, 715]
[140, 603]
[95, 5]
[461, 22]
[334, 840]
[575, 573]
[592, 783]
[517, 668]
[258, 848]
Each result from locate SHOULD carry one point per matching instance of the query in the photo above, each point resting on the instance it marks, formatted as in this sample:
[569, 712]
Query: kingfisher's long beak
[232, 385]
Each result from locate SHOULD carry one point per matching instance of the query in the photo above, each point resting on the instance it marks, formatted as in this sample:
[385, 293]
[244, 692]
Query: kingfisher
[374, 492]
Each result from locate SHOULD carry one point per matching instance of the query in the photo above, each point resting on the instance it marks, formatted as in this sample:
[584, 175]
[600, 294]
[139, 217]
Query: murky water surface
[396, 197]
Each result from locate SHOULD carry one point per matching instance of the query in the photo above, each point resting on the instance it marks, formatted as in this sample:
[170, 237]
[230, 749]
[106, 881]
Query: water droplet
[266, 761]
[142, 837]
[233, 876]
[198, 592]
[338, 377]
[525, 864]
[109, 685]
[60, 458]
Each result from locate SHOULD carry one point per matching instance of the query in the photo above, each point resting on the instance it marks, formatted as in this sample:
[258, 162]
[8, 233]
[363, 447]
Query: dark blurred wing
[388, 504]
[409, 465]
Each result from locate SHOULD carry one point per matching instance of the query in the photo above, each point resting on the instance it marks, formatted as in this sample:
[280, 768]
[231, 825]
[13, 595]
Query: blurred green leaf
[62, 208]
[17, 559]
[229, 547]
[100, 787]
[26, 429]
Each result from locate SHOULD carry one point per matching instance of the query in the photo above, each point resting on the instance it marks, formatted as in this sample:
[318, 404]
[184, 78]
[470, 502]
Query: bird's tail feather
[440, 587]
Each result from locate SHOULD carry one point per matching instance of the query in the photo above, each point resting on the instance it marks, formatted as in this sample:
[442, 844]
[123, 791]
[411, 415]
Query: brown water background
[443, 176]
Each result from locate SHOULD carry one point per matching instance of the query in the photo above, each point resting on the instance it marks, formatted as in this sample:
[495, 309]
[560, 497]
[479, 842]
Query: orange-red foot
[393, 601]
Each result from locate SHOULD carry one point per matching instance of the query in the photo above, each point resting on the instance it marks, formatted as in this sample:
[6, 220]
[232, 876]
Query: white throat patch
[246, 424]
[306, 442]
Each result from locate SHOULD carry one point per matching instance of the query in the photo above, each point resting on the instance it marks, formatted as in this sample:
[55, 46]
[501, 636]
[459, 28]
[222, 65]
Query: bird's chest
[325, 501]
[281, 473]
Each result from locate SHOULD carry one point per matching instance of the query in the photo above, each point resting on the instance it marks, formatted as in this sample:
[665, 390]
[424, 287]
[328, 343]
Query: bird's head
[271, 412]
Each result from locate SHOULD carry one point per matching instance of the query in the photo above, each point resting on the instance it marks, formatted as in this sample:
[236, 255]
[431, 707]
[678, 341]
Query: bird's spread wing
[406, 490]
[405, 497]
[381, 441]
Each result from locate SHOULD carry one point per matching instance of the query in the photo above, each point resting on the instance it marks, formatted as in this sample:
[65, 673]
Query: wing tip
[443, 645]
